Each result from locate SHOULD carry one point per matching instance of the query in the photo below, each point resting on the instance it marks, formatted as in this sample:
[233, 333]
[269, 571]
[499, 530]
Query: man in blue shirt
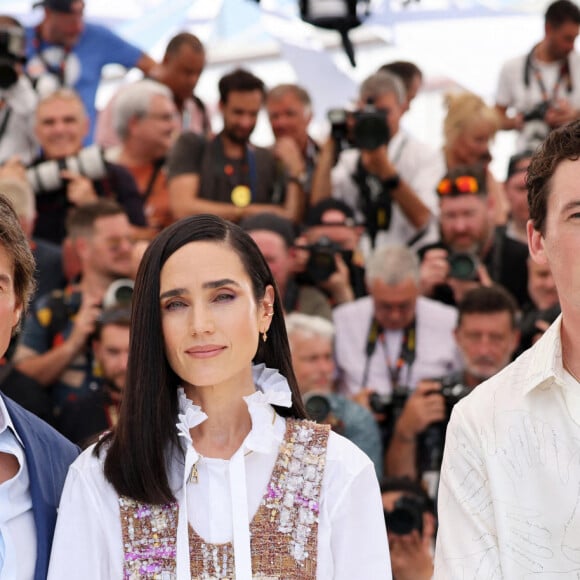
[34, 458]
[64, 50]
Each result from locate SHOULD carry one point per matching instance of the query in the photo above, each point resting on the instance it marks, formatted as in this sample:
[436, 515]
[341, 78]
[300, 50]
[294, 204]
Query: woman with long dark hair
[212, 471]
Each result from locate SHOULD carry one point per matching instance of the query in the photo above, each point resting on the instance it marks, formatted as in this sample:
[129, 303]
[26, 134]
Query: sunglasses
[459, 185]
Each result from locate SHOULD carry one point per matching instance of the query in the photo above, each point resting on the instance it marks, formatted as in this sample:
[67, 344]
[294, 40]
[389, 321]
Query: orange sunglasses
[458, 186]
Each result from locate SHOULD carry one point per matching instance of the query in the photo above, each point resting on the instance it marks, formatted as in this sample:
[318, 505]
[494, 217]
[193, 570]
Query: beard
[237, 136]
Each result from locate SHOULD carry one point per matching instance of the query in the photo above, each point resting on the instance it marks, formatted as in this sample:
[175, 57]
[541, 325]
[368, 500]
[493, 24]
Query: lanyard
[406, 355]
[247, 174]
[564, 76]
[58, 71]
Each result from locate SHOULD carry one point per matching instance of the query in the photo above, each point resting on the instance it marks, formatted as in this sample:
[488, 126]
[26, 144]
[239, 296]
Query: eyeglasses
[458, 186]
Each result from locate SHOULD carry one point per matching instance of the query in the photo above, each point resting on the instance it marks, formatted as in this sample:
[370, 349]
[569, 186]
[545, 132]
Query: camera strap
[564, 76]
[374, 200]
[406, 356]
[59, 71]
[157, 165]
[7, 110]
[248, 171]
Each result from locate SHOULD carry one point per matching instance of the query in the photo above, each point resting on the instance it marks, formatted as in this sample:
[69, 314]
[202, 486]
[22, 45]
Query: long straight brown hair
[145, 437]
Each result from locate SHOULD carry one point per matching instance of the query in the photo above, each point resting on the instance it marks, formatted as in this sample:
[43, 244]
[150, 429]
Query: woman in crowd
[468, 128]
[212, 471]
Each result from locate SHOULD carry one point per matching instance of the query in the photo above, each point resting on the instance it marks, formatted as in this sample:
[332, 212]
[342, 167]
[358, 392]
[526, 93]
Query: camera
[365, 128]
[119, 293]
[452, 391]
[45, 177]
[12, 53]
[406, 516]
[317, 406]
[463, 266]
[391, 405]
[321, 263]
[538, 112]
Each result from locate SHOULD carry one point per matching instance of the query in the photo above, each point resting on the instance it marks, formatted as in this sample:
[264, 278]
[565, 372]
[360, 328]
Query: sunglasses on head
[459, 185]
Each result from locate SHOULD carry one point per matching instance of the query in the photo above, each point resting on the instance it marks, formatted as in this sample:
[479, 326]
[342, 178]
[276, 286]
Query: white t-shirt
[513, 93]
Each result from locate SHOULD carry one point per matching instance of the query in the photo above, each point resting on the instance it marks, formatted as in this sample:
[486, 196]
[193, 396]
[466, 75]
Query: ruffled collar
[271, 389]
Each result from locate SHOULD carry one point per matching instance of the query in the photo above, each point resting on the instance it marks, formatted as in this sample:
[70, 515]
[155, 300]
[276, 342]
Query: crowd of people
[266, 341]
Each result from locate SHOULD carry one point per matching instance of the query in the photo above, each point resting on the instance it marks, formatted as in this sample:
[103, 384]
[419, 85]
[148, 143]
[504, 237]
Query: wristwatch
[392, 182]
[301, 179]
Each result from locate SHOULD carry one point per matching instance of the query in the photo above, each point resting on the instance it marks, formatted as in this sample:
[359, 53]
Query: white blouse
[352, 539]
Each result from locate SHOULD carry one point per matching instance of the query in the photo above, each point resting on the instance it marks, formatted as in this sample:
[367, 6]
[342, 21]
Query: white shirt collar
[271, 389]
[6, 422]
[545, 359]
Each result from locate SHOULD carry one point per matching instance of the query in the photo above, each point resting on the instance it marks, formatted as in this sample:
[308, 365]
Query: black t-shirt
[52, 206]
[192, 153]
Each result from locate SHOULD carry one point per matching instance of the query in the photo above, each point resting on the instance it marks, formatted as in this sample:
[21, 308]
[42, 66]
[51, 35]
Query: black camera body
[463, 266]
[406, 516]
[12, 53]
[321, 263]
[452, 391]
[390, 405]
[538, 112]
[365, 128]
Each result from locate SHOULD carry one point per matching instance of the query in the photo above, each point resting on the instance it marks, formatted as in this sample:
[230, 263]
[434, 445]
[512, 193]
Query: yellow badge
[241, 196]
[44, 316]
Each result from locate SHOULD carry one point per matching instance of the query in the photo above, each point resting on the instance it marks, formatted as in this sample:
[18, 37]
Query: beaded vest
[284, 530]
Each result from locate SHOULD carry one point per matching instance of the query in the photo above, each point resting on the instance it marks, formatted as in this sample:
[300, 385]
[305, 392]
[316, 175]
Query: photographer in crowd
[67, 175]
[145, 119]
[516, 192]
[17, 96]
[275, 236]
[411, 528]
[327, 253]
[228, 175]
[54, 346]
[83, 418]
[311, 339]
[487, 336]
[539, 91]
[389, 341]
[471, 250]
[385, 175]
[289, 110]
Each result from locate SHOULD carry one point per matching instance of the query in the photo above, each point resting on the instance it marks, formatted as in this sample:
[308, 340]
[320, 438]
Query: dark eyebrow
[571, 205]
[206, 286]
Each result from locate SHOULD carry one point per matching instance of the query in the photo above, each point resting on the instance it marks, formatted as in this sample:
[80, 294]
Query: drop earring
[264, 336]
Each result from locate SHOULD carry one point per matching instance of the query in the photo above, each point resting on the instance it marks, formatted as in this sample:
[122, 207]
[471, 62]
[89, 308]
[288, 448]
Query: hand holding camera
[338, 283]
[85, 321]
[559, 113]
[434, 270]
[79, 189]
[425, 406]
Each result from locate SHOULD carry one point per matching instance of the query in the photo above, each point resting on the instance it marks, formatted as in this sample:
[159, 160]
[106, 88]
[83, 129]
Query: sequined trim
[284, 531]
[149, 539]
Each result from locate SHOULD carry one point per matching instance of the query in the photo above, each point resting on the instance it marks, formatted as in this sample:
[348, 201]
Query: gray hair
[311, 326]
[134, 100]
[381, 83]
[392, 265]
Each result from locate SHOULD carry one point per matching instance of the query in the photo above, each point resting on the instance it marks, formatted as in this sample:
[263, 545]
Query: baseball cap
[515, 160]
[57, 5]
[315, 213]
[272, 223]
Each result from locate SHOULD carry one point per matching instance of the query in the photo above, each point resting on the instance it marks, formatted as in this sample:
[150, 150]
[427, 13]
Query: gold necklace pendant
[194, 474]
